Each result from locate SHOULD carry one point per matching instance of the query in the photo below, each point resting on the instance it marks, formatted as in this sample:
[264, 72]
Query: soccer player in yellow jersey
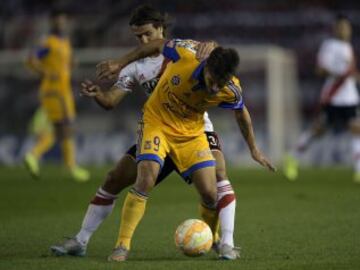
[173, 125]
[53, 62]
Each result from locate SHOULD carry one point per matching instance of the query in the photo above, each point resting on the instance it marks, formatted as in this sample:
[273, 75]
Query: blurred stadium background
[277, 42]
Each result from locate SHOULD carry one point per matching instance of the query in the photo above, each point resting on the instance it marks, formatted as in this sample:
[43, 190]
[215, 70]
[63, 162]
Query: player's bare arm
[110, 68]
[35, 65]
[243, 120]
[107, 99]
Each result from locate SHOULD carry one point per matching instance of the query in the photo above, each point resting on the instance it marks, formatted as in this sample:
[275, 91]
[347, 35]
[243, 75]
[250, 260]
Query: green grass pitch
[313, 223]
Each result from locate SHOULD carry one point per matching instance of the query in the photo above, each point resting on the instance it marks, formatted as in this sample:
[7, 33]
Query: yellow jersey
[55, 55]
[180, 99]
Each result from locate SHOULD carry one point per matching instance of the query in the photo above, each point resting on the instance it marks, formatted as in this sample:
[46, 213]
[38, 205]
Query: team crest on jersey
[147, 145]
[175, 80]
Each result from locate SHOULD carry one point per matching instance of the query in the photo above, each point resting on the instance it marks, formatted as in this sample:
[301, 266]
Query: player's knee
[355, 127]
[221, 173]
[144, 184]
[209, 196]
[113, 183]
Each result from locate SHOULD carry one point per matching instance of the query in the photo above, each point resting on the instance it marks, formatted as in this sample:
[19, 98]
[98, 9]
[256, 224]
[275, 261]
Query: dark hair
[222, 64]
[145, 14]
[340, 17]
[55, 12]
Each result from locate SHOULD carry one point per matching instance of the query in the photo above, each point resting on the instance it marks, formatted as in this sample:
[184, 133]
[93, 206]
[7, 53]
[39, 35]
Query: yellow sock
[44, 143]
[68, 151]
[211, 217]
[132, 212]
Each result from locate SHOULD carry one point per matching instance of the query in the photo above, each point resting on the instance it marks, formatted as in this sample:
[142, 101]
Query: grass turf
[309, 224]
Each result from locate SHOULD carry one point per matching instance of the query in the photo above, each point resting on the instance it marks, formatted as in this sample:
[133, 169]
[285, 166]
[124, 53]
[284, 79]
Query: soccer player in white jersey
[339, 99]
[148, 24]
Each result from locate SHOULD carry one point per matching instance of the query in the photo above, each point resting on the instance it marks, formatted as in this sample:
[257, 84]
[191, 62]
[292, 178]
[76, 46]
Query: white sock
[99, 209]
[356, 153]
[226, 208]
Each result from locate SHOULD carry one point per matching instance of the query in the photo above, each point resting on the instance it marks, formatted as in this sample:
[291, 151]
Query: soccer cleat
[291, 167]
[356, 178]
[71, 247]
[32, 164]
[79, 174]
[119, 254]
[228, 252]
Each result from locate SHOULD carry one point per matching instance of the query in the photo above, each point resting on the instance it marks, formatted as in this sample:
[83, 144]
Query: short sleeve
[170, 52]
[126, 80]
[232, 97]
[43, 49]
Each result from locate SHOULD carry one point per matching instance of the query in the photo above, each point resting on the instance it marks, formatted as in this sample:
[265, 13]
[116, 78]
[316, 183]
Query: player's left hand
[204, 49]
[107, 70]
[259, 157]
[89, 89]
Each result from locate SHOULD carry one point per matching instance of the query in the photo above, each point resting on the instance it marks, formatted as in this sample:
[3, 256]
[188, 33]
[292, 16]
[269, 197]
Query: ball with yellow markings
[193, 237]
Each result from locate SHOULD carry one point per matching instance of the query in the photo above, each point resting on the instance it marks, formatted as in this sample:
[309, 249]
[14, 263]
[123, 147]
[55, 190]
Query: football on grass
[193, 237]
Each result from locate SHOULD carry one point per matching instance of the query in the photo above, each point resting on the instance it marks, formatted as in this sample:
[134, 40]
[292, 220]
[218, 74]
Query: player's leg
[204, 180]
[42, 128]
[65, 135]
[101, 206]
[134, 207]
[355, 131]
[317, 129]
[152, 150]
[205, 183]
[122, 176]
[226, 201]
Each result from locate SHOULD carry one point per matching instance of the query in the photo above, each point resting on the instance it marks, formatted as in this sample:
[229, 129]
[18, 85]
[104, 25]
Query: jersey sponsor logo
[175, 80]
[125, 82]
[147, 145]
[203, 153]
[141, 77]
[150, 85]
[178, 106]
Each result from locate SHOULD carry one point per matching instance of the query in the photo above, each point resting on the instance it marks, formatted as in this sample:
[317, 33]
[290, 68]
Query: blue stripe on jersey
[234, 106]
[239, 102]
[198, 166]
[170, 52]
[152, 157]
[198, 72]
[42, 52]
[236, 90]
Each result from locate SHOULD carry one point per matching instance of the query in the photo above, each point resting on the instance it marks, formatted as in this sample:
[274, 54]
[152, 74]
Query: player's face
[59, 23]
[343, 30]
[147, 32]
[212, 86]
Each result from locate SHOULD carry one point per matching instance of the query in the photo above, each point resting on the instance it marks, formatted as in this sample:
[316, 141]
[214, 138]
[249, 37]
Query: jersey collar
[198, 75]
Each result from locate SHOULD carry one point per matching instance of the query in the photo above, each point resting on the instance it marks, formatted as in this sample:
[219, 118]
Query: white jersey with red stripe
[145, 73]
[337, 58]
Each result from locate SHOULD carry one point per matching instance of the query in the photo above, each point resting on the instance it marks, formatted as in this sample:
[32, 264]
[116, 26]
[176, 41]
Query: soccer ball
[193, 237]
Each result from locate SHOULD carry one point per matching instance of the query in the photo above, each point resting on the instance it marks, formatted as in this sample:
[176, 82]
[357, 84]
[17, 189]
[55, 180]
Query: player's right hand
[259, 157]
[89, 89]
[107, 70]
[204, 49]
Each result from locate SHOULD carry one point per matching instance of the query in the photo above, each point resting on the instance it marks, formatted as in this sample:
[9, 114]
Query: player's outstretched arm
[243, 120]
[109, 69]
[107, 99]
[35, 65]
